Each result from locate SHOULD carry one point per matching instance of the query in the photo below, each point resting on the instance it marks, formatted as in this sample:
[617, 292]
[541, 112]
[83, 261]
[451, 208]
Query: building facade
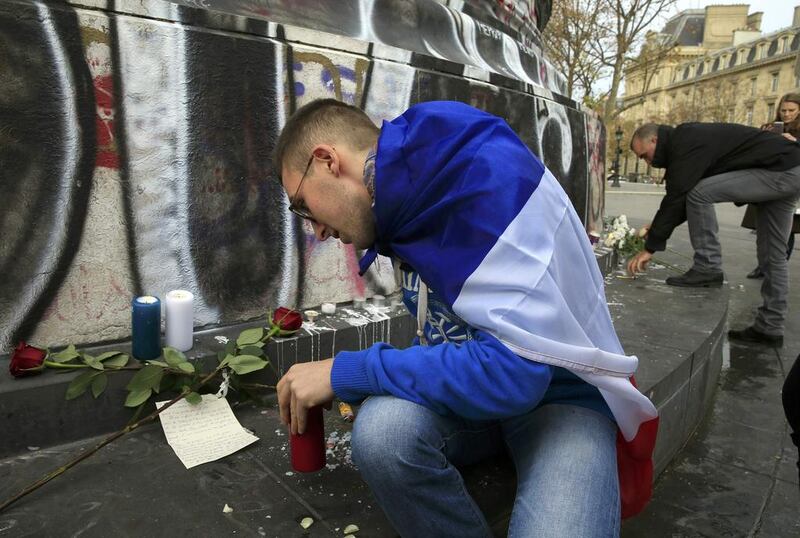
[711, 64]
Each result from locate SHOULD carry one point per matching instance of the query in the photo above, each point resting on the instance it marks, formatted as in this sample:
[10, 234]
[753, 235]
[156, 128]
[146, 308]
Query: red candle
[308, 450]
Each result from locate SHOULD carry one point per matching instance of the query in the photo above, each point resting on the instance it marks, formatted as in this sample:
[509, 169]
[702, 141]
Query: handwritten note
[204, 432]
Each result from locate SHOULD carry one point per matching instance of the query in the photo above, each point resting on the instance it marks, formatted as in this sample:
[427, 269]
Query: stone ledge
[34, 410]
[680, 344]
[40, 400]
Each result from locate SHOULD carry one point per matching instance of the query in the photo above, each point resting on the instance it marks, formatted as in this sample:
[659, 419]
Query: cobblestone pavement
[737, 474]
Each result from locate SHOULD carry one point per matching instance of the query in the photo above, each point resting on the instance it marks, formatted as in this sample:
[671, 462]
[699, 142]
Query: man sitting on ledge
[709, 163]
[516, 350]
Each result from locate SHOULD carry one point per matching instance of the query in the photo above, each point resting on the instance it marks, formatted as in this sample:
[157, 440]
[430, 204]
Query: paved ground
[737, 474]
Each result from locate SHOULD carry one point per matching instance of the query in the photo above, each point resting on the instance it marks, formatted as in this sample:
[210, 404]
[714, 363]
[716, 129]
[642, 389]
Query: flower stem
[64, 365]
[258, 386]
[272, 332]
[111, 438]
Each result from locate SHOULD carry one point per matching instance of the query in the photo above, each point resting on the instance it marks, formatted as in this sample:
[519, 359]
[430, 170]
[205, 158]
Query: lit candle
[146, 327]
[180, 319]
[308, 450]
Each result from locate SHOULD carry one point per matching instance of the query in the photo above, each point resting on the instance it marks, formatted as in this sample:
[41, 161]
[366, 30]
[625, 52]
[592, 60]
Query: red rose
[26, 360]
[287, 321]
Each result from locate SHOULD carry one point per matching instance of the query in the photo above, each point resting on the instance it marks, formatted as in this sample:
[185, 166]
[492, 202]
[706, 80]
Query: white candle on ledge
[180, 319]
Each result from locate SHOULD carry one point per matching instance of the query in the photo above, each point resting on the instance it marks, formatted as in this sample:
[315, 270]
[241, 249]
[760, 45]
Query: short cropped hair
[645, 131]
[322, 121]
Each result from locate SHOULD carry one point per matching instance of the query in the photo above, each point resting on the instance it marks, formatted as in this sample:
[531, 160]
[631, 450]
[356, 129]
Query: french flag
[463, 200]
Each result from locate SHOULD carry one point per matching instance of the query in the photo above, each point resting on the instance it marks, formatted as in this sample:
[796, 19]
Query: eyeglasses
[300, 209]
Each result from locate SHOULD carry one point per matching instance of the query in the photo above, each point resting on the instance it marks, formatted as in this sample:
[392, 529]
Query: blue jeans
[565, 458]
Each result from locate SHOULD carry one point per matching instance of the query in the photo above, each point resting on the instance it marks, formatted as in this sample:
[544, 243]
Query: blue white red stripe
[462, 200]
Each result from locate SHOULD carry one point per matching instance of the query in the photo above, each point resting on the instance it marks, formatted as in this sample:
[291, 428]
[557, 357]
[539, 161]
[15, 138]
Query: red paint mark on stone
[107, 155]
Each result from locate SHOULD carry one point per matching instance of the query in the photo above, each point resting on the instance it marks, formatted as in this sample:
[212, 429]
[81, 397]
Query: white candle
[180, 319]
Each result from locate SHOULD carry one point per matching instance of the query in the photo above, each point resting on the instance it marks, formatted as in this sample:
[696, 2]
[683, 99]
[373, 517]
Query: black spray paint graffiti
[47, 153]
[507, 43]
[193, 199]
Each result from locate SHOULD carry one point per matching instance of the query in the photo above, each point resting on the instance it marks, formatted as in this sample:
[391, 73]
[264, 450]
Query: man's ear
[328, 156]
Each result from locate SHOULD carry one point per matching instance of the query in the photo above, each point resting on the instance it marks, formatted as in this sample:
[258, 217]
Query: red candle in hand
[308, 450]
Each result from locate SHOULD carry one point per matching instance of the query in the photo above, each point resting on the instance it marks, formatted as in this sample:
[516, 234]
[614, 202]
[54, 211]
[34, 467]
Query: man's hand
[638, 263]
[789, 137]
[304, 386]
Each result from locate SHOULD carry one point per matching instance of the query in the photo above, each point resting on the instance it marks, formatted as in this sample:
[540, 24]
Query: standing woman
[788, 113]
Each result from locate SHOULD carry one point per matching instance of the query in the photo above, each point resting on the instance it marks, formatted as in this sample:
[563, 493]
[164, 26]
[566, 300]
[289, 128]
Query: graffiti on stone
[596, 144]
[135, 148]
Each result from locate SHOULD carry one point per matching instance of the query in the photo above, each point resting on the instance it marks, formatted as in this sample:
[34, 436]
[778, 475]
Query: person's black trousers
[791, 404]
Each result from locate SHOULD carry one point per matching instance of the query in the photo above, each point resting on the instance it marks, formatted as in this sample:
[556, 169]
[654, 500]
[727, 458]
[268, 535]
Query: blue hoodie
[428, 192]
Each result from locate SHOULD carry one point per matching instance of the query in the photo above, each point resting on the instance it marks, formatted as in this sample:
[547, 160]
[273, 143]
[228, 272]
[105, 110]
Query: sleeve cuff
[349, 377]
[653, 245]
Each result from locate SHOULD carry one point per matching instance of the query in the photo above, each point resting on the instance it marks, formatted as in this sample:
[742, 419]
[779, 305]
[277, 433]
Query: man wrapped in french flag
[516, 351]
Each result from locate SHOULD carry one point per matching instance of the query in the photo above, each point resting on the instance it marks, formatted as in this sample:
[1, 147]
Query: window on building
[749, 116]
[773, 85]
[770, 111]
[783, 44]
[797, 81]
[753, 86]
[731, 115]
[762, 51]
[742, 56]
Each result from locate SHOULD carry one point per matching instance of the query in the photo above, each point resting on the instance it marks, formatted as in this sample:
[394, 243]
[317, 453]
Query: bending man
[709, 163]
[516, 346]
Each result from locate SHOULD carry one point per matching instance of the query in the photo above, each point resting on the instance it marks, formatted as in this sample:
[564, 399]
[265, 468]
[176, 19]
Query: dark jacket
[694, 151]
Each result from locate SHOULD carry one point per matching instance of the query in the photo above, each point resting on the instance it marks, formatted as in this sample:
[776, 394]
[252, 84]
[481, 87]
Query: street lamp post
[615, 176]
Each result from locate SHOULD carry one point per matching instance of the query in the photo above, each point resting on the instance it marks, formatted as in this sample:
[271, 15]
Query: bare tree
[592, 39]
[629, 20]
[571, 38]
[641, 71]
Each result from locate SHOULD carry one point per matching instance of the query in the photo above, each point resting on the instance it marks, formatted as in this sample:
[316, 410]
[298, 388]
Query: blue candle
[146, 327]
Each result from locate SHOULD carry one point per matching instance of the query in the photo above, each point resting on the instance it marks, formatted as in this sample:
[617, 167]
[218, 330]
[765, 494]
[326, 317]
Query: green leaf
[99, 384]
[137, 397]
[145, 379]
[108, 355]
[118, 361]
[159, 363]
[187, 367]
[244, 364]
[252, 350]
[250, 336]
[79, 385]
[167, 382]
[230, 347]
[65, 355]
[226, 360]
[92, 361]
[194, 398]
[173, 356]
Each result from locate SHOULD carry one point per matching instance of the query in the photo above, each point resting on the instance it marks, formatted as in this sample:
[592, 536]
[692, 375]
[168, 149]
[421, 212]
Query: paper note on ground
[204, 432]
